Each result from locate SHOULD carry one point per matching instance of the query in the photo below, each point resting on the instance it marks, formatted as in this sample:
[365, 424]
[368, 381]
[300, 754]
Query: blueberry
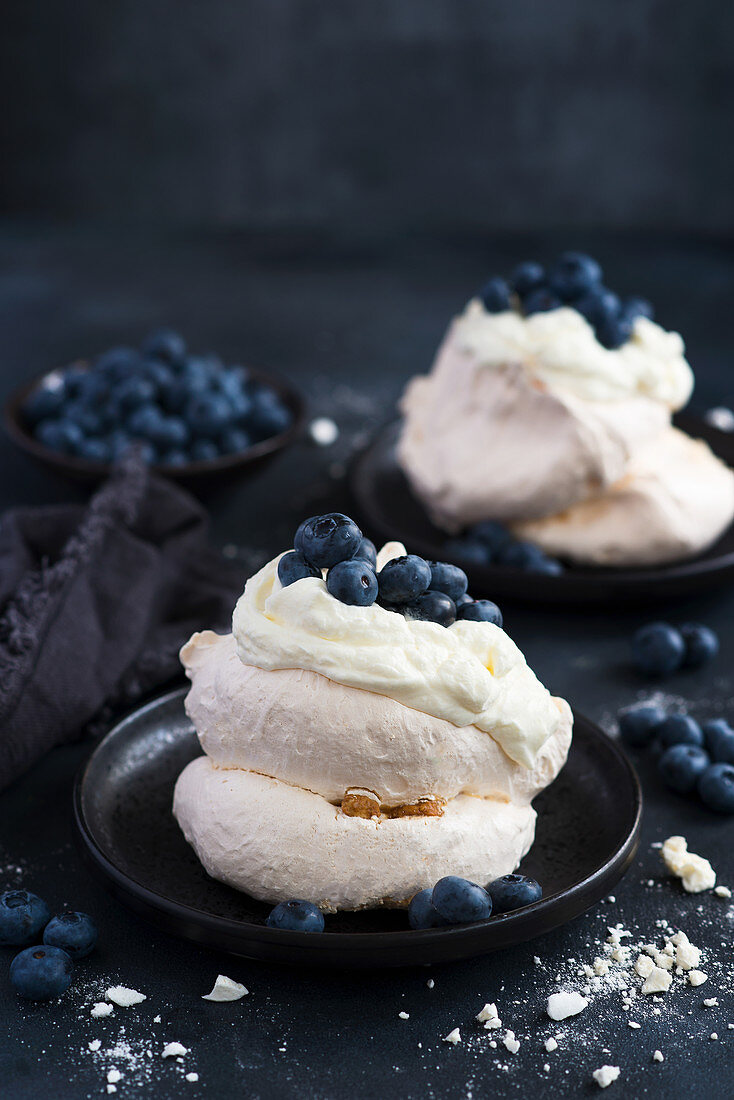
[548, 566]
[719, 739]
[573, 274]
[119, 443]
[463, 601]
[716, 788]
[45, 400]
[74, 933]
[468, 549]
[235, 440]
[638, 725]
[526, 277]
[208, 414]
[353, 582]
[328, 539]
[448, 579]
[296, 916]
[171, 431]
[164, 344]
[637, 307]
[495, 295]
[541, 300]
[459, 901]
[657, 649]
[204, 450]
[513, 892]
[95, 449]
[40, 973]
[680, 729]
[268, 416]
[22, 917]
[367, 551]
[86, 418]
[612, 332]
[520, 555]
[421, 912]
[59, 435]
[432, 607]
[598, 304]
[481, 611]
[403, 579]
[132, 392]
[144, 423]
[681, 766]
[491, 534]
[175, 456]
[702, 644]
[294, 567]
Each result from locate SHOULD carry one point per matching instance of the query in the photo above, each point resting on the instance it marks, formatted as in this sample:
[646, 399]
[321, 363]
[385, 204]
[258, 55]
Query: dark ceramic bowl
[586, 837]
[243, 463]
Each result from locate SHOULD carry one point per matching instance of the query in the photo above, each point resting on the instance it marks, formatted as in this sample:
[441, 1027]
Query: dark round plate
[389, 509]
[81, 469]
[587, 836]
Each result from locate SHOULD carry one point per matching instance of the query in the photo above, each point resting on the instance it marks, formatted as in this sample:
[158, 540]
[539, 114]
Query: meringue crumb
[657, 1056]
[546, 1067]
[511, 1042]
[697, 977]
[713, 1036]
[226, 989]
[658, 981]
[192, 1077]
[404, 1015]
[111, 1089]
[695, 872]
[551, 1044]
[453, 1037]
[174, 1050]
[114, 1076]
[156, 1019]
[124, 997]
[323, 431]
[561, 1005]
[489, 1012]
[632, 1024]
[95, 1044]
[102, 1008]
[605, 1075]
[430, 983]
[711, 1002]
[722, 891]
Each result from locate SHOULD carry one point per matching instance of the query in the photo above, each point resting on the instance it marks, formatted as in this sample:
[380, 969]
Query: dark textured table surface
[350, 325]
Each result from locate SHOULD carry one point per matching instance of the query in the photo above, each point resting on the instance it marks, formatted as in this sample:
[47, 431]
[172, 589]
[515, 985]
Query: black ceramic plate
[389, 510]
[587, 835]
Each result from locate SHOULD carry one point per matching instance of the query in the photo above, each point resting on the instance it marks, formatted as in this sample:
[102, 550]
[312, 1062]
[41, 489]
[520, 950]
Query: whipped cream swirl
[560, 349]
[468, 674]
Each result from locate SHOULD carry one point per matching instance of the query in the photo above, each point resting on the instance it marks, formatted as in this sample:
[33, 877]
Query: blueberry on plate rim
[512, 892]
[296, 915]
[460, 901]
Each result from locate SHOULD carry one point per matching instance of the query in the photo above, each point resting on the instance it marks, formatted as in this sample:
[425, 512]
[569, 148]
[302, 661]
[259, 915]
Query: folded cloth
[95, 604]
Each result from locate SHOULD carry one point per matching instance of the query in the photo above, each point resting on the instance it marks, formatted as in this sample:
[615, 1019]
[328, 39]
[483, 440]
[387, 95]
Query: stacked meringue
[530, 420]
[354, 756]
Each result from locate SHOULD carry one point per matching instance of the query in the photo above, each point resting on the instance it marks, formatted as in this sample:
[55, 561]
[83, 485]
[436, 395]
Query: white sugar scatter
[225, 989]
[453, 1037]
[658, 1056]
[156, 1019]
[605, 1076]
[101, 1009]
[562, 1005]
[124, 997]
[720, 417]
[323, 431]
[174, 1050]
[695, 872]
[404, 1015]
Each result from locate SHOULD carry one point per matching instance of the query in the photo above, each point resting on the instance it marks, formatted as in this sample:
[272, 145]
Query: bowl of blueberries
[191, 416]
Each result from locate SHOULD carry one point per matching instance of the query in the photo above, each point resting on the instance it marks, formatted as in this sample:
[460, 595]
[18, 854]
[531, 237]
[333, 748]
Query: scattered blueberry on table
[692, 758]
[573, 280]
[659, 649]
[296, 916]
[179, 407]
[40, 973]
[490, 543]
[455, 900]
[409, 585]
[75, 933]
[23, 916]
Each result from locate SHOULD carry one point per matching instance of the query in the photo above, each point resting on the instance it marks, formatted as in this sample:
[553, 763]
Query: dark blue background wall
[480, 113]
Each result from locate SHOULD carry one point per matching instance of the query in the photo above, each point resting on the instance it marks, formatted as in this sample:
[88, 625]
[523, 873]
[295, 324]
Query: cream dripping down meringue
[521, 417]
[468, 674]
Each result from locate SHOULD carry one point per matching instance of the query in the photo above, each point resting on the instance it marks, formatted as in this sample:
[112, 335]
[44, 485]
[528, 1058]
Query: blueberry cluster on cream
[431, 591]
[573, 279]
